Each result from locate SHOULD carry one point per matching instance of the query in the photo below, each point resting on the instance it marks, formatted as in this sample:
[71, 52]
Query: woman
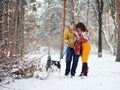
[84, 35]
[69, 37]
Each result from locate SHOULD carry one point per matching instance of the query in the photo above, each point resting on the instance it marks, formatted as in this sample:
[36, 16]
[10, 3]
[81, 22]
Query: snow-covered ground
[104, 74]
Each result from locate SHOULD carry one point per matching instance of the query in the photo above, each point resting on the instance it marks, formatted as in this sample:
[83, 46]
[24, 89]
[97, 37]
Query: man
[69, 37]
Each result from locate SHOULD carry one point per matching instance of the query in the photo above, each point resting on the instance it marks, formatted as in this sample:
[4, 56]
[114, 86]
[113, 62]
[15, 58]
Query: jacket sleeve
[66, 36]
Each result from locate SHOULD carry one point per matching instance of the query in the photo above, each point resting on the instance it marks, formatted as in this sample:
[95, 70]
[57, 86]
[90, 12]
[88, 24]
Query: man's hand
[68, 43]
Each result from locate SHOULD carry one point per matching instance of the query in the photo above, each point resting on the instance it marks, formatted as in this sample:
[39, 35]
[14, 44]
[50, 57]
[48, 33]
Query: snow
[104, 74]
[40, 0]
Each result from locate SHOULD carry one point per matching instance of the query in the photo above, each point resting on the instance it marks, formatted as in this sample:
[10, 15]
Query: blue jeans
[71, 56]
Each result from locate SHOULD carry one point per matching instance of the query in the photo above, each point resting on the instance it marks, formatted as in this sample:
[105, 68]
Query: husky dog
[52, 64]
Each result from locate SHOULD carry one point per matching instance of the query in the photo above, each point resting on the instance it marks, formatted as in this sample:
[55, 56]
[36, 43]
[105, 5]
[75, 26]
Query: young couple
[76, 36]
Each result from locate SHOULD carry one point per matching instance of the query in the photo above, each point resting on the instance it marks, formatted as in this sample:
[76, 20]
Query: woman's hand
[85, 35]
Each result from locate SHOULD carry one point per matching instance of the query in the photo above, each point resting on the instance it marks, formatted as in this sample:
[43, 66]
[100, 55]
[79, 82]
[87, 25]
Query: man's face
[72, 26]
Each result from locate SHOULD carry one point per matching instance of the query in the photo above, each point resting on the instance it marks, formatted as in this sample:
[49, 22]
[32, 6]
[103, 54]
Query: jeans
[71, 57]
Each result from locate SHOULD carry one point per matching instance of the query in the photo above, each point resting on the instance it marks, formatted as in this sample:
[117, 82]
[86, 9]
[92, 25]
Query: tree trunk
[118, 22]
[72, 10]
[22, 28]
[100, 38]
[0, 20]
[63, 27]
[100, 11]
[113, 12]
[49, 38]
[87, 21]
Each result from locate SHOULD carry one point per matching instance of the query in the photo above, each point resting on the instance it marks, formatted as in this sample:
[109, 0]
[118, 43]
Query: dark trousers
[71, 57]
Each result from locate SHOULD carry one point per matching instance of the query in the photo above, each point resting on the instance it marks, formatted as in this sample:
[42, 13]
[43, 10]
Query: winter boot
[85, 69]
[82, 72]
[66, 73]
[72, 74]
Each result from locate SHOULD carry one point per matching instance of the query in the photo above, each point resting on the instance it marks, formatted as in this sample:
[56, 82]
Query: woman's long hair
[81, 26]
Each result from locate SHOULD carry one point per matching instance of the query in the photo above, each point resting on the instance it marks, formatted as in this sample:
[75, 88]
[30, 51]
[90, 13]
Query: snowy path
[104, 74]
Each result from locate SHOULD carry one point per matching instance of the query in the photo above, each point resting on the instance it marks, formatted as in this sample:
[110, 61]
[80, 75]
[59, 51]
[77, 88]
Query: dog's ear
[48, 65]
[49, 57]
[59, 66]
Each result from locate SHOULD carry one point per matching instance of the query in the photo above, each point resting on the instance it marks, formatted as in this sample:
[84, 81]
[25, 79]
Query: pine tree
[100, 11]
[118, 22]
[64, 19]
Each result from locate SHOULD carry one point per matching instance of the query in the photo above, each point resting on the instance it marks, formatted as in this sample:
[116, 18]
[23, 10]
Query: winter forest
[32, 30]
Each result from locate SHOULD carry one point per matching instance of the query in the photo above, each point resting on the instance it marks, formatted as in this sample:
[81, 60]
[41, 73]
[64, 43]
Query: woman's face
[78, 29]
[72, 26]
